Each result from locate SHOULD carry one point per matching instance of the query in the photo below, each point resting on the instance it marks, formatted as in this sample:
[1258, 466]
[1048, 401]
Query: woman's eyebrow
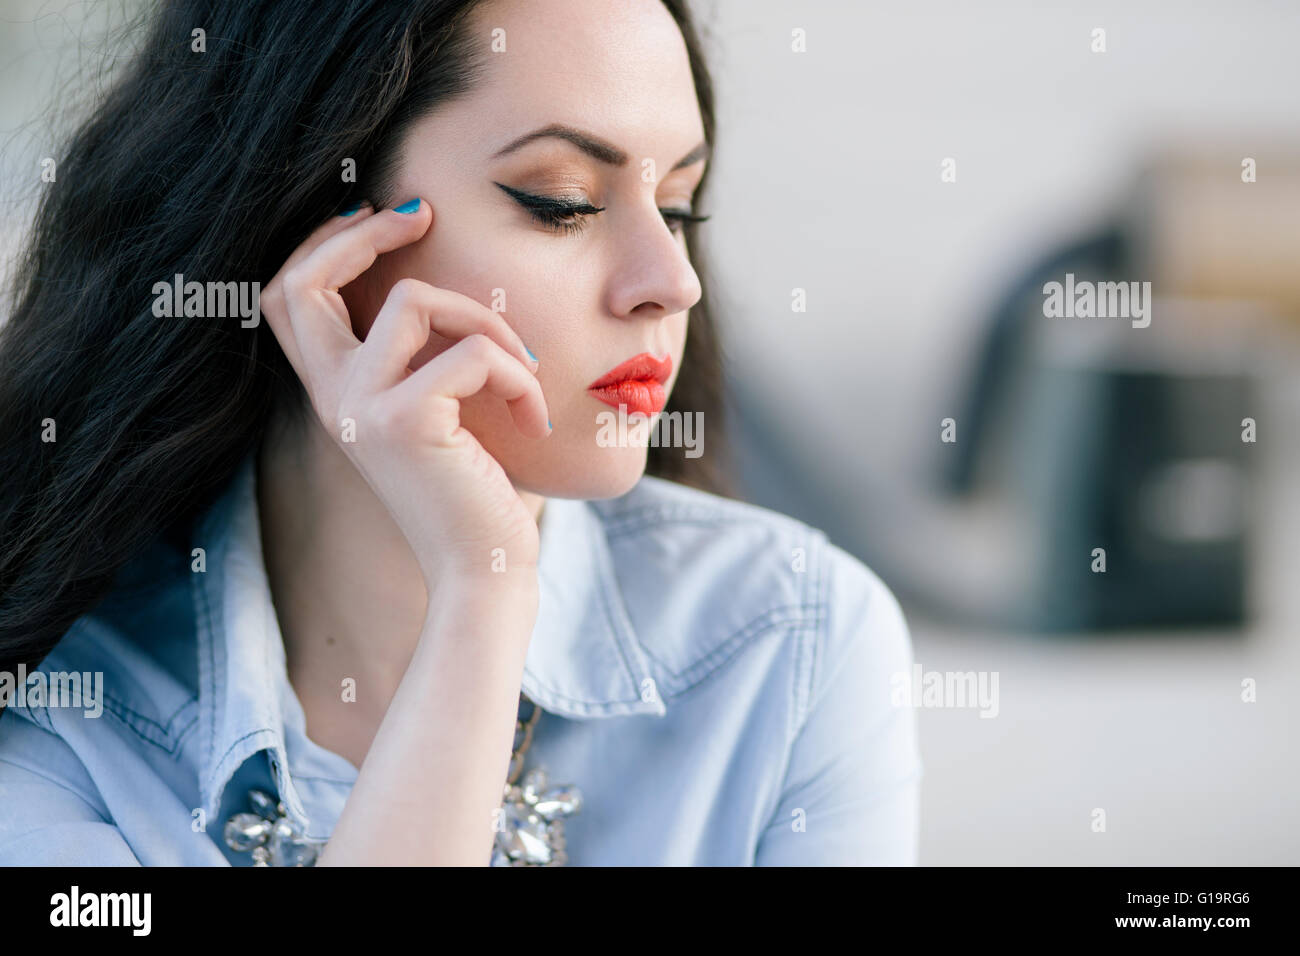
[593, 145]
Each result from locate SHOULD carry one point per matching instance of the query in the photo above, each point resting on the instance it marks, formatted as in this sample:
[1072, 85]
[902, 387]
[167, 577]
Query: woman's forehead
[618, 70]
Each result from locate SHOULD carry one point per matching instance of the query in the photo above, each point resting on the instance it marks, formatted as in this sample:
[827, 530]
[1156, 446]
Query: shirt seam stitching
[808, 642]
[92, 629]
[796, 618]
[206, 623]
[58, 783]
[626, 524]
[173, 739]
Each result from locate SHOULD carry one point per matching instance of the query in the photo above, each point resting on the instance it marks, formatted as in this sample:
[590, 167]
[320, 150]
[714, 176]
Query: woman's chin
[600, 473]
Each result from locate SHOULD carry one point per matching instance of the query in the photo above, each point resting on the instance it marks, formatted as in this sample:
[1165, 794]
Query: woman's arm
[433, 776]
[435, 771]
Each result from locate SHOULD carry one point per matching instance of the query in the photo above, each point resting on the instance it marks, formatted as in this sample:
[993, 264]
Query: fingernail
[548, 423]
[351, 210]
[530, 353]
[408, 207]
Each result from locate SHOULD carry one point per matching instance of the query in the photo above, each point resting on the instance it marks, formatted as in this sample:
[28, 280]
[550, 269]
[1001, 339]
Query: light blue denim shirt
[714, 677]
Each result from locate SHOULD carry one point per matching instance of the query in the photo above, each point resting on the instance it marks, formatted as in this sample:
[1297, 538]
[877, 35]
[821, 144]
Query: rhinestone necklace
[529, 825]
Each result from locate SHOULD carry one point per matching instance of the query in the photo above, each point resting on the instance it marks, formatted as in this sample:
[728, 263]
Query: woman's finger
[330, 227]
[475, 364]
[274, 305]
[344, 256]
[412, 310]
[317, 313]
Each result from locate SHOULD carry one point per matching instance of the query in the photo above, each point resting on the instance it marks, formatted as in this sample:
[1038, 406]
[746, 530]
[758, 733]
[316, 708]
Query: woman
[305, 553]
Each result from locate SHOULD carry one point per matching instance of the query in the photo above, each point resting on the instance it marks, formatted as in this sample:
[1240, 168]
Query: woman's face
[586, 296]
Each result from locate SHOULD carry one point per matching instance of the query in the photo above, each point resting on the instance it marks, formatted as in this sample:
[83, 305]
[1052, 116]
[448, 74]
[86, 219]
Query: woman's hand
[433, 774]
[401, 428]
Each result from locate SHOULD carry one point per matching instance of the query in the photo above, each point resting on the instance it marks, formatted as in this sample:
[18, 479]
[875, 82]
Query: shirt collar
[584, 659]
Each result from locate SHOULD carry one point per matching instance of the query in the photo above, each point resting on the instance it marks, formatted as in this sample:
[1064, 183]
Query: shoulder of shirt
[140, 638]
[704, 577]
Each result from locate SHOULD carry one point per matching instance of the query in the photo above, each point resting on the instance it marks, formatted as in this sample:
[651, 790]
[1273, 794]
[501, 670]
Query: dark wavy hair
[215, 165]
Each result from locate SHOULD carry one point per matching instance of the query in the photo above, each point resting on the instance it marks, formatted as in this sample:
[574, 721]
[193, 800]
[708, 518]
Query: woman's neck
[349, 594]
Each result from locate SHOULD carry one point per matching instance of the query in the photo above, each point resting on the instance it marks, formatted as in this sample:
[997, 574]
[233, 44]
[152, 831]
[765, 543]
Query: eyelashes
[564, 216]
[568, 217]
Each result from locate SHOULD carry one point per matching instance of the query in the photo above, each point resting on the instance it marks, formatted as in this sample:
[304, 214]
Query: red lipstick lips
[637, 383]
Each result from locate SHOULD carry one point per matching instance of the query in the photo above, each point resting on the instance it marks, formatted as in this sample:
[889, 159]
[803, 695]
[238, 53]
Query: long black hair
[117, 426]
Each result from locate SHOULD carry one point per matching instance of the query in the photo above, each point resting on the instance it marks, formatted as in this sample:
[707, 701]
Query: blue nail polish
[351, 210]
[530, 353]
[548, 423]
[408, 207]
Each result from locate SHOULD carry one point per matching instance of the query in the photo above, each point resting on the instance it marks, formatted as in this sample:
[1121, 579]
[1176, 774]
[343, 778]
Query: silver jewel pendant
[530, 824]
[270, 835]
[529, 827]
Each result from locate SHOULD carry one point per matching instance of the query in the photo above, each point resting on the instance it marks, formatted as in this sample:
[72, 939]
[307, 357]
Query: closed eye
[568, 216]
[561, 215]
[678, 218]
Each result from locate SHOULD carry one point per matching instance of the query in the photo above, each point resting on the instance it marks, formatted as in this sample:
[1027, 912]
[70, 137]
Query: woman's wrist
[494, 572]
[501, 607]
[480, 587]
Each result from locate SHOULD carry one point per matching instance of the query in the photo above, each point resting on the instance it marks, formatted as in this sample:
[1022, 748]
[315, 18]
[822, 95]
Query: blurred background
[894, 184]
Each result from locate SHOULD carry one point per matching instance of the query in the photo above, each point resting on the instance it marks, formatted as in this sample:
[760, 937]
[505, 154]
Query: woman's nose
[653, 276]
